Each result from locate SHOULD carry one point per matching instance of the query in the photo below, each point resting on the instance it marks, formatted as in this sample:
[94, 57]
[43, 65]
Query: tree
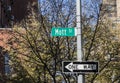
[43, 55]
[101, 44]
[40, 56]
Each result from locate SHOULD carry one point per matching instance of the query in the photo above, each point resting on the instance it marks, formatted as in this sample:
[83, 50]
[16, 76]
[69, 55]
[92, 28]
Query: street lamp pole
[79, 37]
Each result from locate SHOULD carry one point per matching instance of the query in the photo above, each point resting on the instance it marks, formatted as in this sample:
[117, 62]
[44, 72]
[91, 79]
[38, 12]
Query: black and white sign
[79, 67]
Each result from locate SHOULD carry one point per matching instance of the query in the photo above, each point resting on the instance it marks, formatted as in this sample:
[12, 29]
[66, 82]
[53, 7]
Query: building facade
[11, 12]
[112, 9]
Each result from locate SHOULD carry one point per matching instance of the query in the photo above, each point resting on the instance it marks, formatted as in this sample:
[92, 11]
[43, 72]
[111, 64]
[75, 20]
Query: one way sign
[79, 67]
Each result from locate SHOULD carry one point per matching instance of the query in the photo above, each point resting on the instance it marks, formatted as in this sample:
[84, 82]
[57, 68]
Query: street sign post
[79, 67]
[59, 31]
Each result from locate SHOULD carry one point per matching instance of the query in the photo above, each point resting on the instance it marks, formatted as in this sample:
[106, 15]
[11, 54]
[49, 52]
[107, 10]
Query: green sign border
[62, 32]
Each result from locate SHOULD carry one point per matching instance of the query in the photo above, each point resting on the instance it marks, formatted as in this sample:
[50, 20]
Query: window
[110, 15]
[8, 8]
[109, 7]
[7, 66]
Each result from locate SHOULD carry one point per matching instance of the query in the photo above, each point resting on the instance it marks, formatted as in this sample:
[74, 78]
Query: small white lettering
[60, 32]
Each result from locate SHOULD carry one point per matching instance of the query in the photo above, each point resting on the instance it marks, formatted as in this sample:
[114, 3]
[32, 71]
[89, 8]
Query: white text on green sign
[63, 31]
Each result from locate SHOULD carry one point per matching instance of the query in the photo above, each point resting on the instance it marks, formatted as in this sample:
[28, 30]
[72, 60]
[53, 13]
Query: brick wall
[19, 10]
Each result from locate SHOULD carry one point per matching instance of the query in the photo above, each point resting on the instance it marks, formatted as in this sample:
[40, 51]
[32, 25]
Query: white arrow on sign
[72, 67]
[69, 67]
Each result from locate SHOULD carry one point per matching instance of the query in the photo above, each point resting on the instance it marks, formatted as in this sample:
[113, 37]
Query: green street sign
[58, 31]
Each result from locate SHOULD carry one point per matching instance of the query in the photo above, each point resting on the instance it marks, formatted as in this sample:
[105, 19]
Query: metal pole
[79, 37]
